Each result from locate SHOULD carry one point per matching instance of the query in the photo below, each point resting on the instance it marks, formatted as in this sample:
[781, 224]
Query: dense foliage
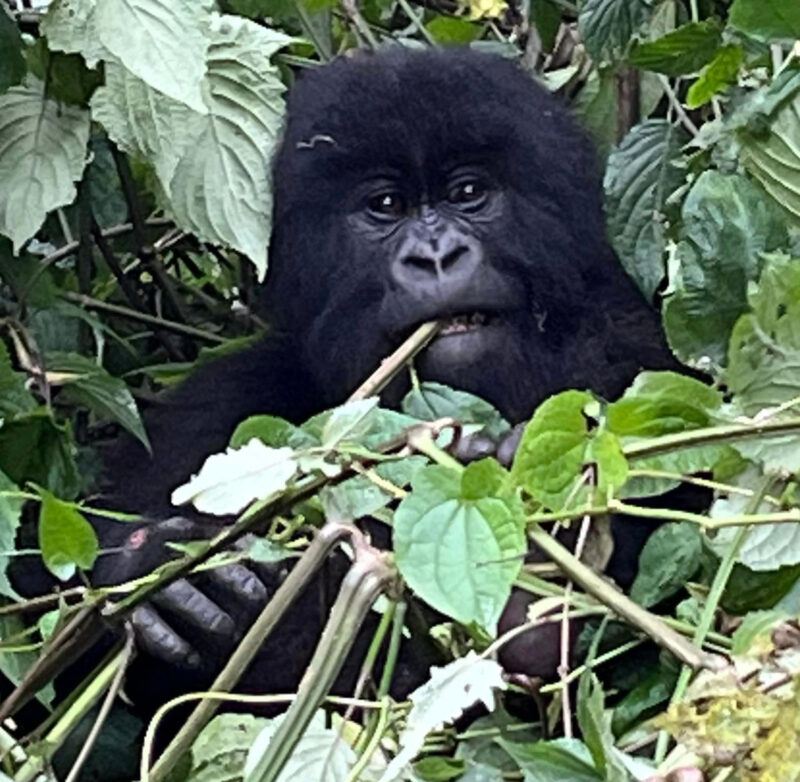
[135, 137]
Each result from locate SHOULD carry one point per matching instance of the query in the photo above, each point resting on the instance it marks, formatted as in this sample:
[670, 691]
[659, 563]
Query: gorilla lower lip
[460, 324]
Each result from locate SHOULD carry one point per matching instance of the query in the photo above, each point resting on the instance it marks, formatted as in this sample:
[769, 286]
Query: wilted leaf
[42, 154]
[66, 538]
[459, 552]
[639, 178]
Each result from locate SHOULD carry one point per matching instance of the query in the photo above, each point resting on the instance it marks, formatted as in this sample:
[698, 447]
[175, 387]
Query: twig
[677, 106]
[622, 605]
[107, 233]
[125, 312]
[113, 690]
[393, 363]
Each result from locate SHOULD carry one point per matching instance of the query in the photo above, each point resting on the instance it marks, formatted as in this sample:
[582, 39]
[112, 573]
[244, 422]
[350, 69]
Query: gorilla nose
[449, 260]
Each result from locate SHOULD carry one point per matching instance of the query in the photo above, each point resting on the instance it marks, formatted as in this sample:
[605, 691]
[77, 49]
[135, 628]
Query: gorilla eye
[468, 192]
[387, 204]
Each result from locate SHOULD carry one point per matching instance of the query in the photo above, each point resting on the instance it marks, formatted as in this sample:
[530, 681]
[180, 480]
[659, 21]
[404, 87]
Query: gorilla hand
[190, 622]
[480, 445]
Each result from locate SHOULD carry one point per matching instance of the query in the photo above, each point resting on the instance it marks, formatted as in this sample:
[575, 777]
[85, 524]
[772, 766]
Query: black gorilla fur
[409, 186]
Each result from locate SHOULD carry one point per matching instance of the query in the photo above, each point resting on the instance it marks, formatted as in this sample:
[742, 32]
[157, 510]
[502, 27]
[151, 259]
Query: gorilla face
[446, 185]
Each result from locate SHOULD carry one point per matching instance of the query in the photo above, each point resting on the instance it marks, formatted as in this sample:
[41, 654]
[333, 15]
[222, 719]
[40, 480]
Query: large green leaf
[42, 154]
[214, 166]
[684, 50]
[220, 189]
[773, 158]
[727, 224]
[555, 447]
[606, 26]
[163, 42]
[767, 19]
[640, 176]
[458, 551]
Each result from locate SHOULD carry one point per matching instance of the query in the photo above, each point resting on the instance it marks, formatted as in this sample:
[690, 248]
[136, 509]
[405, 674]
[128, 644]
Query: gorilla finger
[473, 447]
[241, 582]
[507, 447]
[187, 603]
[158, 639]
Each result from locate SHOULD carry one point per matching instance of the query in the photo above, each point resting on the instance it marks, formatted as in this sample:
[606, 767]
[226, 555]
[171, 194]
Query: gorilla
[408, 186]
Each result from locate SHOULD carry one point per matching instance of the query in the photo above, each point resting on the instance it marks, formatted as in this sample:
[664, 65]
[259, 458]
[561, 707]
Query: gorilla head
[441, 184]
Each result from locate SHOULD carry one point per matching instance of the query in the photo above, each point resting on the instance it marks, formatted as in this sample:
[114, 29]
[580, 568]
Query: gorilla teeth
[459, 324]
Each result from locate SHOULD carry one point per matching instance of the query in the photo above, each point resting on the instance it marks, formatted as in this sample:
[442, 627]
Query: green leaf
[767, 19]
[764, 353]
[606, 452]
[42, 154]
[606, 26]
[220, 190]
[271, 430]
[764, 359]
[684, 50]
[772, 156]
[69, 26]
[460, 554]
[748, 590]
[434, 400]
[596, 108]
[86, 383]
[553, 761]
[213, 164]
[12, 63]
[553, 448]
[659, 403]
[727, 224]
[453, 30]
[437, 768]
[670, 557]
[716, 76]
[66, 76]
[66, 538]
[162, 42]
[220, 751]
[10, 511]
[595, 724]
[653, 690]
[35, 448]
[639, 178]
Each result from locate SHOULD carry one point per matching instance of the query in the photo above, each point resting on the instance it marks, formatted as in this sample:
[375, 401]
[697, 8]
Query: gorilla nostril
[421, 263]
[452, 258]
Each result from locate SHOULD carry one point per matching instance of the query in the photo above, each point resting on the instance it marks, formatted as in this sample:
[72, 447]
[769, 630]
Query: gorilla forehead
[424, 111]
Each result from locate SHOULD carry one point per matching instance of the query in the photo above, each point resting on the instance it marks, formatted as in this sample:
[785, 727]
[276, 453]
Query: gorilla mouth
[464, 323]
